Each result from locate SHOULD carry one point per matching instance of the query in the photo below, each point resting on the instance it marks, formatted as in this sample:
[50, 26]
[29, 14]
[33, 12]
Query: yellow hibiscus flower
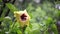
[22, 18]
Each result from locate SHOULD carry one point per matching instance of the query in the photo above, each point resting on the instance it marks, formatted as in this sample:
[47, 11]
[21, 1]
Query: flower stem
[23, 29]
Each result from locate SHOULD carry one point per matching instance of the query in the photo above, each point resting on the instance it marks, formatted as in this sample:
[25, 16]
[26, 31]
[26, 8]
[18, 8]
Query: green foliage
[0, 0]
[10, 7]
[43, 20]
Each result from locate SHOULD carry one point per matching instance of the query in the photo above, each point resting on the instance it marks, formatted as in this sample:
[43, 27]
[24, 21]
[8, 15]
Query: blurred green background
[45, 16]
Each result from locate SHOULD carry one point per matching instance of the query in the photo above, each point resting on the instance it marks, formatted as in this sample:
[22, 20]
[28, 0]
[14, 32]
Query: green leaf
[4, 12]
[46, 32]
[54, 29]
[49, 21]
[0, 0]
[19, 32]
[30, 25]
[11, 7]
[34, 29]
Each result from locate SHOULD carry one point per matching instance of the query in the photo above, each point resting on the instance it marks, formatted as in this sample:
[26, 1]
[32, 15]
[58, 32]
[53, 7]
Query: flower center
[23, 17]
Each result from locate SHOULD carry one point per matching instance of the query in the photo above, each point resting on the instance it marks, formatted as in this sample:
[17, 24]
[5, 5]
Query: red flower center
[23, 17]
